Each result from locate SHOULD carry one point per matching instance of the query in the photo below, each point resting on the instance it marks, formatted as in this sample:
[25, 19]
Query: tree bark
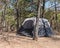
[43, 8]
[36, 28]
[3, 17]
[17, 15]
[55, 14]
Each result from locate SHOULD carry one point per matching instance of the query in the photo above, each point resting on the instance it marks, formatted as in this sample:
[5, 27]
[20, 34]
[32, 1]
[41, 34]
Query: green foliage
[31, 15]
[10, 19]
[48, 14]
[9, 11]
[58, 17]
[0, 13]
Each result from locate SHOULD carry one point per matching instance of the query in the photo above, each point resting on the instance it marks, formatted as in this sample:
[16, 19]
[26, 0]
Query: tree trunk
[17, 15]
[43, 8]
[36, 28]
[3, 17]
[55, 15]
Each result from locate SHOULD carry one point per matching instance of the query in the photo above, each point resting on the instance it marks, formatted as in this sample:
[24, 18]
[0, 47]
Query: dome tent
[28, 25]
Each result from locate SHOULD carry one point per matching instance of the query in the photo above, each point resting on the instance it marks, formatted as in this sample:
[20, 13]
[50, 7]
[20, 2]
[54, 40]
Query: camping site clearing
[10, 40]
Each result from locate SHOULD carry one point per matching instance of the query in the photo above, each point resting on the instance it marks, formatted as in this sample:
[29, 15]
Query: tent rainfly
[28, 26]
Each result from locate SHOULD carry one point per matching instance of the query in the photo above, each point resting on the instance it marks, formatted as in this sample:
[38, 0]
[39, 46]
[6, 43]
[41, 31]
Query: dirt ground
[10, 40]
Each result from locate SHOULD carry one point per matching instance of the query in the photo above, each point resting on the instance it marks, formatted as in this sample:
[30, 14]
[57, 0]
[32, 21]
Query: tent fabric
[28, 25]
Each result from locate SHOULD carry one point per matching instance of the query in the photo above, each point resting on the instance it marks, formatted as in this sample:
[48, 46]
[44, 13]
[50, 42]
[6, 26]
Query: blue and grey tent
[28, 26]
